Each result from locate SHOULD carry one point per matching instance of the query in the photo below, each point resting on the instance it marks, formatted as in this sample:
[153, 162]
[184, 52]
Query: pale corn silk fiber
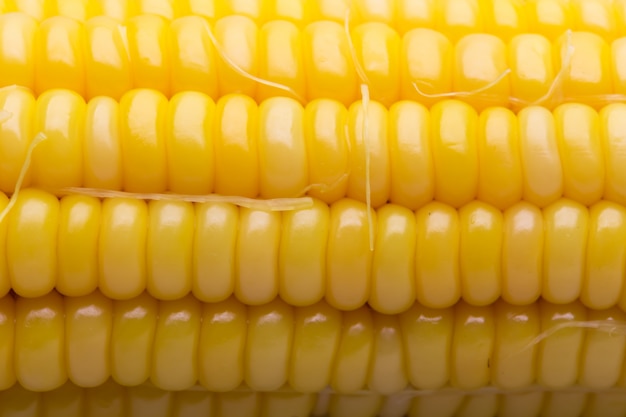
[487, 403]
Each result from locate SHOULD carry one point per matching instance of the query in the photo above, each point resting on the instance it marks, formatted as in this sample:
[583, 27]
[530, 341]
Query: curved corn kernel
[113, 399]
[435, 255]
[191, 145]
[237, 54]
[178, 344]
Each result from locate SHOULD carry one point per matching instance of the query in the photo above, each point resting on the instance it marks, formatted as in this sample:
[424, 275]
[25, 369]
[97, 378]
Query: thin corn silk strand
[556, 86]
[453, 94]
[171, 71]
[232, 64]
[277, 204]
[147, 144]
[305, 251]
[4, 116]
[365, 99]
[112, 399]
[172, 345]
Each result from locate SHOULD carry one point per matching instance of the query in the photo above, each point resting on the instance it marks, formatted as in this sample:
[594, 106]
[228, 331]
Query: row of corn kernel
[505, 18]
[436, 255]
[176, 344]
[103, 57]
[111, 399]
[278, 149]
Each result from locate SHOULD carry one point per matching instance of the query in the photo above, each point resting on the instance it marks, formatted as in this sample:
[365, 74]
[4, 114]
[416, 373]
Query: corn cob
[505, 18]
[435, 255]
[103, 57]
[111, 399]
[176, 344]
[190, 145]
[578, 257]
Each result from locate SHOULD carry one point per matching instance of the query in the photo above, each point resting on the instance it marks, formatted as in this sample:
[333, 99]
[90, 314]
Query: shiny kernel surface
[435, 255]
[191, 144]
[189, 346]
[481, 52]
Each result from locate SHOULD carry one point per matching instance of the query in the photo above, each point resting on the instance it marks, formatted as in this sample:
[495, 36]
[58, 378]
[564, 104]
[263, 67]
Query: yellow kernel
[541, 163]
[31, 243]
[122, 248]
[330, 70]
[237, 36]
[17, 57]
[558, 356]
[480, 253]
[40, 342]
[169, 266]
[132, 338]
[349, 258]
[377, 49]
[605, 261]
[566, 227]
[256, 276]
[282, 149]
[315, 343]
[479, 61]
[327, 149]
[438, 281]
[353, 355]
[222, 343]
[57, 161]
[149, 52]
[281, 60]
[106, 59]
[522, 254]
[581, 152]
[144, 155]
[215, 237]
[500, 168]
[425, 65]
[369, 145]
[473, 342]
[410, 158]
[176, 339]
[189, 144]
[194, 62]
[236, 119]
[59, 59]
[77, 250]
[427, 338]
[88, 325]
[393, 264]
[102, 148]
[269, 342]
[302, 256]
[455, 154]
[17, 135]
[513, 361]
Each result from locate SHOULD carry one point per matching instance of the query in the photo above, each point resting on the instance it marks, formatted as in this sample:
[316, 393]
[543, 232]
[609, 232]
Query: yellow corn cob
[505, 18]
[498, 255]
[114, 400]
[435, 255]
[103, 57]
[177, 344]
[190, 145]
